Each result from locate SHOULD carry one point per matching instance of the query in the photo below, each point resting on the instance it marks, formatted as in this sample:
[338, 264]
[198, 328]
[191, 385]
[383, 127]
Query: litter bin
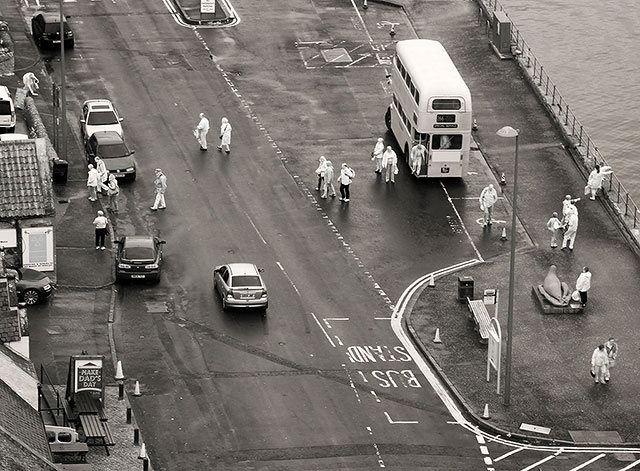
[60, 171]
[465, 288]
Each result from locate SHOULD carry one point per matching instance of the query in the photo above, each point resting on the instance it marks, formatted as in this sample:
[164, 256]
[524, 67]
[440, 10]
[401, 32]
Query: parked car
[112, 149]
[99, 115]
[139, 257]
[32, 286]
[13, 136]
[7, 111]
[45, 28]
[240, 285]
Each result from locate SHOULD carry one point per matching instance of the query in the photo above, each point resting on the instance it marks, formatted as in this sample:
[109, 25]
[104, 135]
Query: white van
[7, 111]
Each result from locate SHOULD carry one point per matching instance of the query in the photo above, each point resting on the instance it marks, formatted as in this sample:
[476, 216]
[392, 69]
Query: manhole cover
[338, 54]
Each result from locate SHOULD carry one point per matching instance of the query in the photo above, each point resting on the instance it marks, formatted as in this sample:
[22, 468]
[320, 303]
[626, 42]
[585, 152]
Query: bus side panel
[398, 129]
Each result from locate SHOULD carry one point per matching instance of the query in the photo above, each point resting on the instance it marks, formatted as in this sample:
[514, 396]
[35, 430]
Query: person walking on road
[488, 198]
[320, 171]
[554, 225]
[201, 130]
[100, 223]
[570, 230]
[596, 177]
[611, 347]
[160, 187]
[225, 135]
[583, 284]
[328, 181]
[390, 164]
[113, 189]
[377, 154]
[103, 173]
[345, 178]
[92, 183]
[569, 207]
[599, 364]
[418, 158]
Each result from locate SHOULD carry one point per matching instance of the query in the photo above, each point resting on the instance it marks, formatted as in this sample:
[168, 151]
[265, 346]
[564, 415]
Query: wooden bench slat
[481, 317]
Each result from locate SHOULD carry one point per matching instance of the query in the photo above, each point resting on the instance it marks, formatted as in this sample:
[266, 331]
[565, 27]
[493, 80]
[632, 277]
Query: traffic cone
[393, 30]
[143, 453]
[432, 281]
[475, 125]
[365, 6]
[503, 179]
[136, 390]
[503, 236]
[119, 375]
[485, 413]
[436, 339]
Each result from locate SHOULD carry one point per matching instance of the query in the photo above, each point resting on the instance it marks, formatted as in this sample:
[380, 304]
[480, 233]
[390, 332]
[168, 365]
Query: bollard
[136, 436]
[128, 415]
[120, 390]
[145, 464]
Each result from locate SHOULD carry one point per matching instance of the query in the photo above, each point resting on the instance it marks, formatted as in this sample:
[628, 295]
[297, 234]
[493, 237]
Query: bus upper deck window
[446, 104]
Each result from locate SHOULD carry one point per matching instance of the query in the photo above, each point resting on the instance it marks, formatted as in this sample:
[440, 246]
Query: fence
[569, 123]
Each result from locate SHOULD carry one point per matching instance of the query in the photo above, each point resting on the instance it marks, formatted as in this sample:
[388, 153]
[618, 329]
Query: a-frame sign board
[85, 374]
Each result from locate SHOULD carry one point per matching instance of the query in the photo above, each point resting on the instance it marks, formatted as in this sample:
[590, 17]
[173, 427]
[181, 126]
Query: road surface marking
[399, 421]
[632, 465]
[327, 319]
[373, 393]
[288, 278]
[366, 30]
[483, 449]
[480, 221]
[487, 460]
[587, 463]
[382, 318]
[480, 439]
[464, 228]
[323, 331]
[506, 455]
[339, 341]
[380, 461]
[544, 460]
[353, 386]
[255, 228]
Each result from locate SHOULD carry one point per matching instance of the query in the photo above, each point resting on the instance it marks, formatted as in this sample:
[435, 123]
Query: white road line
[323, 331]
[327, 319]
[288, 278]
[373, 393]
[480, 439]
[382, 318]
[399, 421]
[544, 460]
[361, 20]
[484, 450]
[506, 455]
[255, 228]
[462, 223]
[632, 465]
[338, 340]
[353, 386]
[587, 463]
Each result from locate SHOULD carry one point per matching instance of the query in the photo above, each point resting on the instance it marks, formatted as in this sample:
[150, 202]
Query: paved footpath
[551, 384]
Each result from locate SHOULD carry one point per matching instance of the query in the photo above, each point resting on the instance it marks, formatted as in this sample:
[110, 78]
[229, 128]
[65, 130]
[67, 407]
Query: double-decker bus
[431, 105]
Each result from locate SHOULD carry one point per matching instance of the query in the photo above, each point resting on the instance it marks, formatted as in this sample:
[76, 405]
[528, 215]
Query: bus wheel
[387, 118]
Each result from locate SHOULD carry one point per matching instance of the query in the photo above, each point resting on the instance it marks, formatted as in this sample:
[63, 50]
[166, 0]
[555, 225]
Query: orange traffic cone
[436, 339]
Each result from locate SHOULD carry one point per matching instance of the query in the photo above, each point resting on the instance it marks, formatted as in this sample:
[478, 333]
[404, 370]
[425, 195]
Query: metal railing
[583, 143]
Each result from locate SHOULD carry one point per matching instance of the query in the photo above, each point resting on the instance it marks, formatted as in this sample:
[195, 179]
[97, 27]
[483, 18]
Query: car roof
[108, 137]
[138, 238]
[99, 104]
[4, 92]
[51, 16]
[238, 269]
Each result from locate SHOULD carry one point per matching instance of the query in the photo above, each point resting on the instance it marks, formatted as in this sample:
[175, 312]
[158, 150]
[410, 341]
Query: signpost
[207, 6]
[85, 374]
[494, 352]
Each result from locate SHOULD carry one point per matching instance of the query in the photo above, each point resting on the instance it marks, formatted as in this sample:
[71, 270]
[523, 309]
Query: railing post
[528, 55]
[553, 98]
[626, 204]
[618, 195]
[546, 88]
[635, 213]
[566, 117]
[541, 70]
[573, 126]
[588, 141]
[580, 138]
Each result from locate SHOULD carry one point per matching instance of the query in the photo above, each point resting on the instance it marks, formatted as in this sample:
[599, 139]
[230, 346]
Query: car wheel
[30, 297]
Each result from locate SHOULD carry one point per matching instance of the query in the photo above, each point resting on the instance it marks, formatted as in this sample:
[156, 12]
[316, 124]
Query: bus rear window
[442, 142]
[446, 104]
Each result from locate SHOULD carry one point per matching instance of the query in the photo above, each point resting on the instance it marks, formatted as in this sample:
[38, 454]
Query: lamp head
[507, 131]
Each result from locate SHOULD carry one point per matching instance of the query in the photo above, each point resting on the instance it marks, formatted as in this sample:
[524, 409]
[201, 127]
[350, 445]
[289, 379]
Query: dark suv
[45, 28]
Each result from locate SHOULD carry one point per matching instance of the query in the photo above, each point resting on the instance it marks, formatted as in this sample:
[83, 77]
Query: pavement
[551, 382]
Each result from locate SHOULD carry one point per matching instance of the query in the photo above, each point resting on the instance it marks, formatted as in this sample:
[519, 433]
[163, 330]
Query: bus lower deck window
[446, 104]
[447, 141]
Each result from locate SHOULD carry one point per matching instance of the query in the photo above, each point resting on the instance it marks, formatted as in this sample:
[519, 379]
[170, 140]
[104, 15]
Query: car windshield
[246, 280]
[101, 118]
[55, 27]
[138, 250]
[110, 151]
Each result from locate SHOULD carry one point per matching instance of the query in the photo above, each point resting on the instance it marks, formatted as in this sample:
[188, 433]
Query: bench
[73, 467]
[75, 449]
[481, 317]
[87, 403]
[96, 432]
[71, 416]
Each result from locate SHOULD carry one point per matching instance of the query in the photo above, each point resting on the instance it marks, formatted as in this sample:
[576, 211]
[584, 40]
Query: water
[591, 50]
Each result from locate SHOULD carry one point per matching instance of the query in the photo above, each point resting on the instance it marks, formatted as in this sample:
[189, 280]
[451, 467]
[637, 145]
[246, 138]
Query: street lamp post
[63, 120]
[508, 131]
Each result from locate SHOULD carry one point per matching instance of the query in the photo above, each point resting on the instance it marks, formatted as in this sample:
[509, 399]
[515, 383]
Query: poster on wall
[8, 238]
[37, 246]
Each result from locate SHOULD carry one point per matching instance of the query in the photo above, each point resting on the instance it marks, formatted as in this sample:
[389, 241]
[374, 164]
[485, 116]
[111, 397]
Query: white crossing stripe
[480, 439]
[632, 465]
[544, 460]
[506, 455]
[587, 463]
[484, 450]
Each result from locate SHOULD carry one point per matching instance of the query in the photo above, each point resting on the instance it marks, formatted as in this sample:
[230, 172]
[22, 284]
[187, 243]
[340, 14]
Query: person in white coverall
[488, 198]
[583, 283]
[599, 364]
[328, 188]
[92, 183]
[225, 135]
[201, 131]
[596, 177]
[418, 158]
[377, 154]
[571, 228]
[390, 164]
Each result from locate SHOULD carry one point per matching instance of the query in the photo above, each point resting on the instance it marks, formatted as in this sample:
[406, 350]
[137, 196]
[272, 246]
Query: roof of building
[25, 182]
[21, 362]
[21, 427]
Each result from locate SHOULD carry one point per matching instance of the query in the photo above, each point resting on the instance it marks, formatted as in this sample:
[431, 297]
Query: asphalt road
[322, 382]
